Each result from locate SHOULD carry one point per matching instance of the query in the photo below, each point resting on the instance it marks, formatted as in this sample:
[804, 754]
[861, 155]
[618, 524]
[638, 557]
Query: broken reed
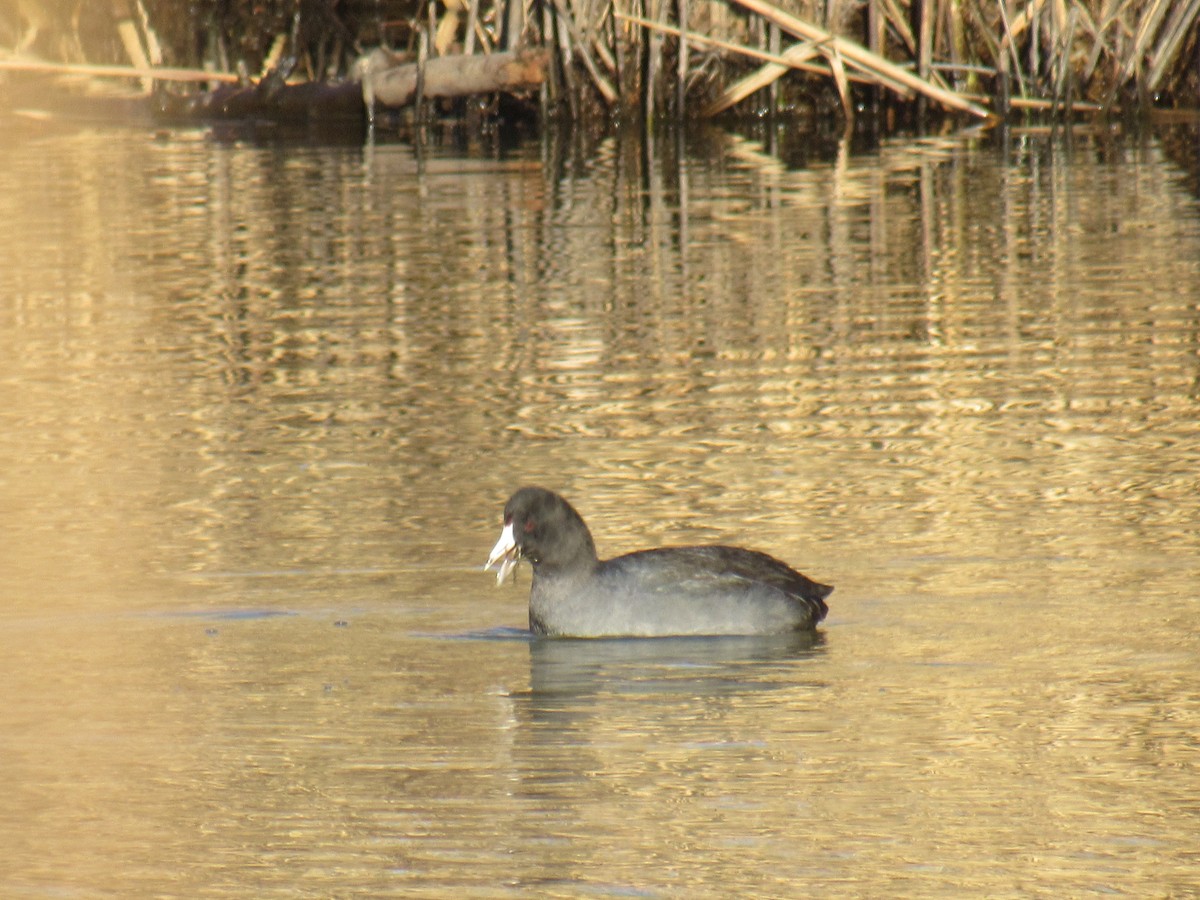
[957, 54]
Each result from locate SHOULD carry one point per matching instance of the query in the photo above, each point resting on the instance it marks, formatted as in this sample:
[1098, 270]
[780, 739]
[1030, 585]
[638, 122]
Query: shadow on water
[575, 669]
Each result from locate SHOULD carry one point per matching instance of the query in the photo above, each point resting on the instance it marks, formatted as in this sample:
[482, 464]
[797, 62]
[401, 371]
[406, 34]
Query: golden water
[262, 404]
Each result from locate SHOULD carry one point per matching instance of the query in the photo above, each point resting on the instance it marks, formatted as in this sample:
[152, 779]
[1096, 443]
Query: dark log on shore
[308, 101]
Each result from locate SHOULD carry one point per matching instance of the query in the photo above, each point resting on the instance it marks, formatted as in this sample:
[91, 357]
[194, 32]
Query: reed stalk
[146, 73]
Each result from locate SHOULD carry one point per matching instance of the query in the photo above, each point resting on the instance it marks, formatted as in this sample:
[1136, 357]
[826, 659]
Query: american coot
[707, 590]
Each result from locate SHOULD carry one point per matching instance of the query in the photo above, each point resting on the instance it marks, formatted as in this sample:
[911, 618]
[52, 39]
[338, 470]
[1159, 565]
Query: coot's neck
[573, 553]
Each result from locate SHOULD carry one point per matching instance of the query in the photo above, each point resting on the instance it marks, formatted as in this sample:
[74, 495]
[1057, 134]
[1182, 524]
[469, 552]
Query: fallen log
[452, 76]
[381, 82]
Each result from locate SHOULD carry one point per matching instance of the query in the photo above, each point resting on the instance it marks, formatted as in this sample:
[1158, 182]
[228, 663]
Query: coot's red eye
[529, 526]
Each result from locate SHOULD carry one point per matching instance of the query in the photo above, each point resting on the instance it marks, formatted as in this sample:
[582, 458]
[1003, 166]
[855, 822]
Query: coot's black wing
[714, 570]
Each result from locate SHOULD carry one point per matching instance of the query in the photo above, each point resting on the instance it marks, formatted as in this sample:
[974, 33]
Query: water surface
[262, 404]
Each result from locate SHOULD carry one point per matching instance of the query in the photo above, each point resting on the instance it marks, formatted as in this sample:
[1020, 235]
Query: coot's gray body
[709, 590]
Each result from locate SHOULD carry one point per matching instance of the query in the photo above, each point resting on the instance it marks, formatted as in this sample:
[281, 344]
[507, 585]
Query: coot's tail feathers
[772, 571]
[815, 597]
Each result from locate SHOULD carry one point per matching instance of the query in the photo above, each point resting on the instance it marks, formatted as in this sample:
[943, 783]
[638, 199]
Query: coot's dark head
[543, 528]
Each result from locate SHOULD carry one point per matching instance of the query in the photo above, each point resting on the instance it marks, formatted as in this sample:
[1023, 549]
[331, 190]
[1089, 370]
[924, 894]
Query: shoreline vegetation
[480, 60]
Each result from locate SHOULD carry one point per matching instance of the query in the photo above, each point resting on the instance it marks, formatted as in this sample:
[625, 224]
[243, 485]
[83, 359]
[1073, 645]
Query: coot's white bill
[505, 553]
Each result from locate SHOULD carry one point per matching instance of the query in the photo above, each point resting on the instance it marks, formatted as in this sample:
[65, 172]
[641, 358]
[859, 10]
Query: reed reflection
[957, 379]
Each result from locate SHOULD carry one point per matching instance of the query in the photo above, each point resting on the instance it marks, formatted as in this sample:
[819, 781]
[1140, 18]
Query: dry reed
[677, 57]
